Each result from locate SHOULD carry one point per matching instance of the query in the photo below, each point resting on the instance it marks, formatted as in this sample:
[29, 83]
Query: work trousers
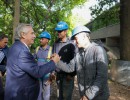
[44, 93]
[65, 88]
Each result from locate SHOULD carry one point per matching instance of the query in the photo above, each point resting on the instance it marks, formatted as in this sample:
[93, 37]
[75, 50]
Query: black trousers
[1, 90]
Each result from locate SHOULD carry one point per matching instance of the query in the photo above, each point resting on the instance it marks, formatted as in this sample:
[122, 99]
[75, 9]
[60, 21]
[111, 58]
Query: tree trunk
[125, 30]
[16, 17]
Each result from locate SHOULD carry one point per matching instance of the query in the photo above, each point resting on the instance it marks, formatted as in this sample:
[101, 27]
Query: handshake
[55, 57]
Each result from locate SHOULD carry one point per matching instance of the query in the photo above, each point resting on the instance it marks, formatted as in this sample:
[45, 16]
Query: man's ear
[22, 35]
[89, 37]
[65, 31]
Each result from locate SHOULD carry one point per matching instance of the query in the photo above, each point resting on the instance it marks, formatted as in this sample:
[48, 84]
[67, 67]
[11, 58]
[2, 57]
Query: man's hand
[52, 77]
[84, 98]
[55, 57]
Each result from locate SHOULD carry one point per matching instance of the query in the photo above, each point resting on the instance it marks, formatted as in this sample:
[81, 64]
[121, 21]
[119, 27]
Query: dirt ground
[117, 91]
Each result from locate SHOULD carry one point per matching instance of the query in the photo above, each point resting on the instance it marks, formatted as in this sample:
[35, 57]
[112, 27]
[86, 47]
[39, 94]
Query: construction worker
[91, 66]
[66, 50]
[42, 54]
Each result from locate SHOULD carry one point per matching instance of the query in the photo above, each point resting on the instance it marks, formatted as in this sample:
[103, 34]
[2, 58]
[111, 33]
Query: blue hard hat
[45, 34]
[61, 26]
[79, 29]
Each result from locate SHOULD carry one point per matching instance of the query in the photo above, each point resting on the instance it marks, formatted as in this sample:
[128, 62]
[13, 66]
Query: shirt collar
[26, 46]
[47, 48]
[67, 39]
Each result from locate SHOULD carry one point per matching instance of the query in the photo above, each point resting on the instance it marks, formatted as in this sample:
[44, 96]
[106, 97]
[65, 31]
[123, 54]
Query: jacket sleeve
[28, 64]
[70, 67]
[101, 73]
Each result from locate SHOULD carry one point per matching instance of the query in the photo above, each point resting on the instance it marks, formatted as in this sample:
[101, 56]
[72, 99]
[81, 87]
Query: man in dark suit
[22, 69]
[3, 58]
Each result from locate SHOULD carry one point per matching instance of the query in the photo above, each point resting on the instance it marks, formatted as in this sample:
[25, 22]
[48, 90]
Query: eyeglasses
[60, 31]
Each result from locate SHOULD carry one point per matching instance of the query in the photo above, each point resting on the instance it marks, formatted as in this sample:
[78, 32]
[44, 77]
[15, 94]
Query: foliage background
[42, 14]
[106, 12]
[45, 14]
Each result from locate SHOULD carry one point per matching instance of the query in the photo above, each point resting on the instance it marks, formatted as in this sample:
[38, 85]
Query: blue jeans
[65, 88]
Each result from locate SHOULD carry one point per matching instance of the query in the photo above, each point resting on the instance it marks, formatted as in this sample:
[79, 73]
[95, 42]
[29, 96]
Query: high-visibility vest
[49, 52]
[48, 59]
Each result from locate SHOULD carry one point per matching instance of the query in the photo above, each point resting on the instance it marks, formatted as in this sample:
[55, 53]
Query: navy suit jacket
[3, 63]
[23, 73]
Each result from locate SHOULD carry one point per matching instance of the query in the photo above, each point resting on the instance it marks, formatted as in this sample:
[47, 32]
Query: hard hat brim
[43, 37]
[57, 29]
[72, 37]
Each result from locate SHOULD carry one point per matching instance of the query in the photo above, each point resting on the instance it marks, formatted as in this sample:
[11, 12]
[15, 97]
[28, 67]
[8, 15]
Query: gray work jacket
[91, 66]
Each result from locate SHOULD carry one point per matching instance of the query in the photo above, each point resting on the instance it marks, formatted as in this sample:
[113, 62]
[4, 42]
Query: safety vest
[49, 53]
[47, 60]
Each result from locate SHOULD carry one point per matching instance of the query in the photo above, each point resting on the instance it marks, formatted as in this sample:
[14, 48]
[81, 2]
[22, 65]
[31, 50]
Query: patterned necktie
[2, 55]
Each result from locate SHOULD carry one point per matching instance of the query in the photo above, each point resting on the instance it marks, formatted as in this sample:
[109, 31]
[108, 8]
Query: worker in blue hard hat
[42, 55]
[61, 26]
[61, 29]
[66, 49]
[91, 64]
[45, 34]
